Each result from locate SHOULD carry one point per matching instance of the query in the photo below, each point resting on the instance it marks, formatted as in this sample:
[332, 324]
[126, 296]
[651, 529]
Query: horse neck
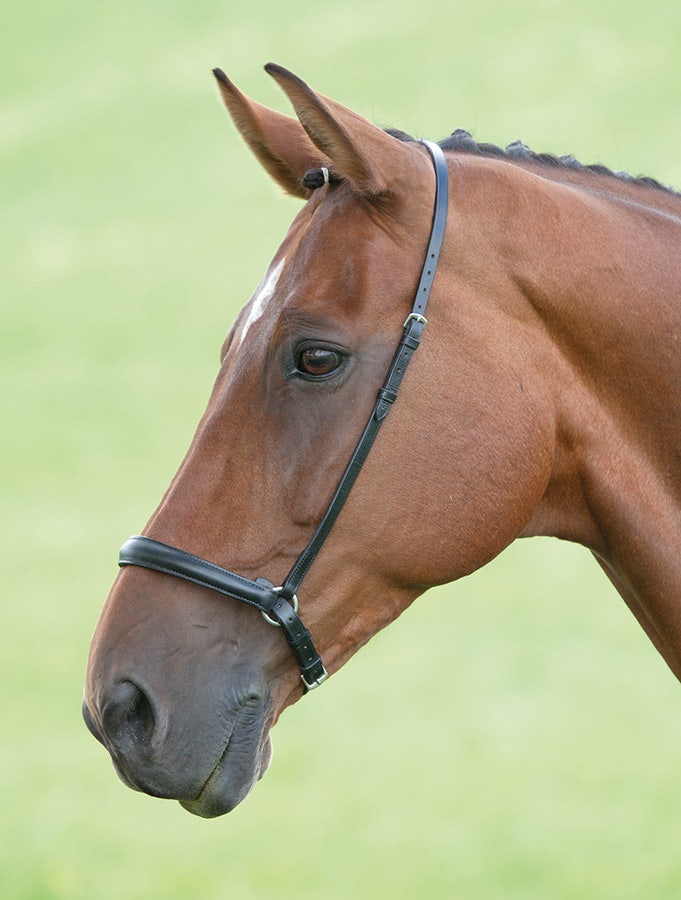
[596, 264]
[604, 282]
[591, 262]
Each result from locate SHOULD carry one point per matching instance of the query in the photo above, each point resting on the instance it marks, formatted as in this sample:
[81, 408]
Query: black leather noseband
[279, 605]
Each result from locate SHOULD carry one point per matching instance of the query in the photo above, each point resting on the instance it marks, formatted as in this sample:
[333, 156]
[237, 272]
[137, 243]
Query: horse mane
[461, 141]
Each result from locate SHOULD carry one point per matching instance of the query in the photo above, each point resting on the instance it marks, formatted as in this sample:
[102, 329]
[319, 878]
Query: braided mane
[461, 141]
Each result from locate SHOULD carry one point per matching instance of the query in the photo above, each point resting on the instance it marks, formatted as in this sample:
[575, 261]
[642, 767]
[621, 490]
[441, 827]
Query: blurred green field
[512, 736]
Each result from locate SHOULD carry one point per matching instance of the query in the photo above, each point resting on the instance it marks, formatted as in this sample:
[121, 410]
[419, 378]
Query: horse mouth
[244, 761]
[173, 770]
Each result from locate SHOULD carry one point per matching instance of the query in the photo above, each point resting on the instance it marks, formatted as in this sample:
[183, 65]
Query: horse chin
[232, 779]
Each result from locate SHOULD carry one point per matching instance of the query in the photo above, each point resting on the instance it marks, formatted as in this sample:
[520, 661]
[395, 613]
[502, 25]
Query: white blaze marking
[263, 294]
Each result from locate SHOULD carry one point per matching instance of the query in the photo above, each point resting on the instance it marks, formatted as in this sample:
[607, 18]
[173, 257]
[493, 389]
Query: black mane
[460, 141]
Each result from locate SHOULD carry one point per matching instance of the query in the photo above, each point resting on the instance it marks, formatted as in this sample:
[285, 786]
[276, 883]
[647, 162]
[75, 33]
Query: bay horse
[543, 400]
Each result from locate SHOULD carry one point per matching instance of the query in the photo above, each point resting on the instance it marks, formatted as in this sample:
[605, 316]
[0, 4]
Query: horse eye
[319, 361]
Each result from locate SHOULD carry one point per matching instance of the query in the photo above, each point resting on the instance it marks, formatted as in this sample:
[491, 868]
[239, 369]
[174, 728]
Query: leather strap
[279, 605]
[411, 337]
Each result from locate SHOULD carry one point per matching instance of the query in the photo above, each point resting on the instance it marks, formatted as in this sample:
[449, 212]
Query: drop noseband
[279, 605]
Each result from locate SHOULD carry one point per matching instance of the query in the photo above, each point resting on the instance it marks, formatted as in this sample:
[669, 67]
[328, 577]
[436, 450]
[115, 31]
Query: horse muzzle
[209, 763]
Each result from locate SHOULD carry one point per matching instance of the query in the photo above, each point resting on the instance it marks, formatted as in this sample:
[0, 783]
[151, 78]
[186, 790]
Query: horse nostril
[128, 717]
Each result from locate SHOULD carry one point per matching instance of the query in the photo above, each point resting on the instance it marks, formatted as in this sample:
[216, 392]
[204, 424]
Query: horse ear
[358, 149]
[278, 141]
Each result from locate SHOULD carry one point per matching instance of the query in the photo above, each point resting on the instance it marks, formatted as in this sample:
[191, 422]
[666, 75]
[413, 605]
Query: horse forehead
[338, 248]
[332, 248]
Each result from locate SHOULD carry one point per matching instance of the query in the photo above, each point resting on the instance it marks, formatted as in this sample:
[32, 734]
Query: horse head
[184, 685]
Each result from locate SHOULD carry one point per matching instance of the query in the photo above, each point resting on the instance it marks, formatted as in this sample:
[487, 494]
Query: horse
[543, 400]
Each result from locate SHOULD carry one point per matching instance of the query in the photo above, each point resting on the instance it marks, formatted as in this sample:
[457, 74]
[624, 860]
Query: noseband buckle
[319, 669]
[317, 682]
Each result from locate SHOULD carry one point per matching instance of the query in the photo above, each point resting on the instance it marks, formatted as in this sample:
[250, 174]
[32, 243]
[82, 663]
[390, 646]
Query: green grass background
[512, 736]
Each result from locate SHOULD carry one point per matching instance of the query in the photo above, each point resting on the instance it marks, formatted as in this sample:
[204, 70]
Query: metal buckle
[270, 620]
[311, 685]
[418, 317]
